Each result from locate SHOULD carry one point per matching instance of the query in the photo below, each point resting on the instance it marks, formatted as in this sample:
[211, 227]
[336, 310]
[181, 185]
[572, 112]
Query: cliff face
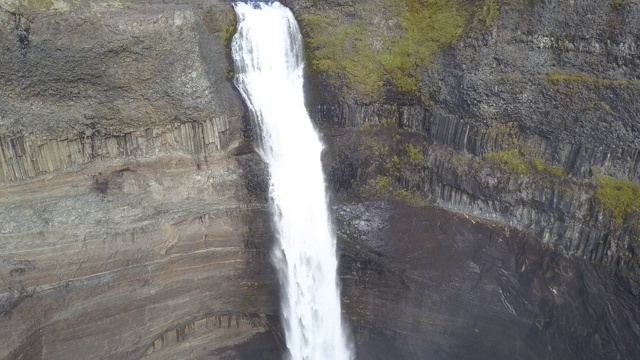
[429, 284]
[133, 216]
[96, 80]
[125, 224]
[546, 92]
[124, 262]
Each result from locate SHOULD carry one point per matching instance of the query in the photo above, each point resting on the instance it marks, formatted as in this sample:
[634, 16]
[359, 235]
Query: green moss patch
[489, 12]
[362, 50]
[42, 5]
[221, 23]
[617, 4]
[397, 166]
[511, 161]
[542, 167]
[620, 198]
[520, 162]
[576, 77]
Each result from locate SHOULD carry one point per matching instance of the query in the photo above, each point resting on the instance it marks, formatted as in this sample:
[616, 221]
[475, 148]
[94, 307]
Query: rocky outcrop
[552, 80]
[225, 332]
[424, 283]
[98, 80]
[557, 209]
[103, 265]
[618, 159]
[124, 215]
[27, 157]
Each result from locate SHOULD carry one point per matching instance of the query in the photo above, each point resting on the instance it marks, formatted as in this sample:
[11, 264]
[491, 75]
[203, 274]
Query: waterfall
[267, 51]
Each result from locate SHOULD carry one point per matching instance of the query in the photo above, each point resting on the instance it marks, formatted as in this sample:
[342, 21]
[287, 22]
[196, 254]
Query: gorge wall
[133, 218]
[528, 110]
[126, 227]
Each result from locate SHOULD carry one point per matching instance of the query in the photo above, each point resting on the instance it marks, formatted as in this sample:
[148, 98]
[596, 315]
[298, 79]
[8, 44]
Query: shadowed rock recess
[483, 158]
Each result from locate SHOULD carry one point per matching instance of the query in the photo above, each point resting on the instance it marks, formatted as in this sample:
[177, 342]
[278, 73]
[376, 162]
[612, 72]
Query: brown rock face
[126, 228]
[130, 261]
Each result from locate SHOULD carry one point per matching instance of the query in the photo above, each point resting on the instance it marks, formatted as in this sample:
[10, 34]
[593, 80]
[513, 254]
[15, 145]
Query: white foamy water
[267, 51]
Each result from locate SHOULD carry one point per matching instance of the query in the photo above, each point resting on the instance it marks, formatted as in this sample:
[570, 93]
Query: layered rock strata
[125, 223]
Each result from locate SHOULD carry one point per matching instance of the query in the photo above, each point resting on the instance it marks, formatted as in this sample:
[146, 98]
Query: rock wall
[100, 80]
[103, 264]
[24, 158]
[132, 214]
[124, 214]
[479, 139]
[554, 80]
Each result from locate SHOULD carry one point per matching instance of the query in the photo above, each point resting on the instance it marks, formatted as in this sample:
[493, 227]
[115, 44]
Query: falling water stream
[267, 51]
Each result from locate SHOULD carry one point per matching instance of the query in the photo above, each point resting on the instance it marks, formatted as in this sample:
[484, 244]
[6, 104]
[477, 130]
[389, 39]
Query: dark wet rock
[455, 287]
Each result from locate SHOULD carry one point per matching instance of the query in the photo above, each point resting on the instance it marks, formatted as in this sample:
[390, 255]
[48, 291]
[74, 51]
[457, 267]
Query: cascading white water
[267, 51]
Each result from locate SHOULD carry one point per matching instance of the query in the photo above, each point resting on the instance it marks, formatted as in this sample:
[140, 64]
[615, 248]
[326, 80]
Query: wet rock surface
[426, 283]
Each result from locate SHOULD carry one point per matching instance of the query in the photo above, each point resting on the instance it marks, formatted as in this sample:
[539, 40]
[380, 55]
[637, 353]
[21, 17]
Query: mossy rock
[619, 197]
[364, 50]
[221, 22]
[560, 77]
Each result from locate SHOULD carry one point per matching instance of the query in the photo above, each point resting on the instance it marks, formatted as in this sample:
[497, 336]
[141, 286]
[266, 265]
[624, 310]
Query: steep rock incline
[549, 88]
[128, 228]
[109, 262]
[423, 283]
[100, 80]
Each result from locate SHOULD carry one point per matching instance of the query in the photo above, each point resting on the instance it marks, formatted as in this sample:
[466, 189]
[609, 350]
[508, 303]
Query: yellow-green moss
[489, 12]
[542, 167]
[344, 52]
[39, 4]
[388, 45]
[576, 77]
[390, 123]
[26, 5]
[619, 197]
[510, 160]
[413, 153]
[396, 167]
[520, 162]
[221, 23]
[617, 3]
[380, 186]
[557, 171]
[384, 187]
[427, 26]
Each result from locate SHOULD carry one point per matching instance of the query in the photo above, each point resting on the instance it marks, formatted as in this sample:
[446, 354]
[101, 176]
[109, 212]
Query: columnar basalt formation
[554, 82]
[133, 217]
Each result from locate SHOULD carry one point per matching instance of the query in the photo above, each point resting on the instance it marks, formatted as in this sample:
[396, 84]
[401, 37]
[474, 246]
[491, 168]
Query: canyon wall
[133, 209]
[126, 228]
[528, 110]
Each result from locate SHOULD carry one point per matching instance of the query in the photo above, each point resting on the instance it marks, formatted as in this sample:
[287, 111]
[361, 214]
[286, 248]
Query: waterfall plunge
[267, 51]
